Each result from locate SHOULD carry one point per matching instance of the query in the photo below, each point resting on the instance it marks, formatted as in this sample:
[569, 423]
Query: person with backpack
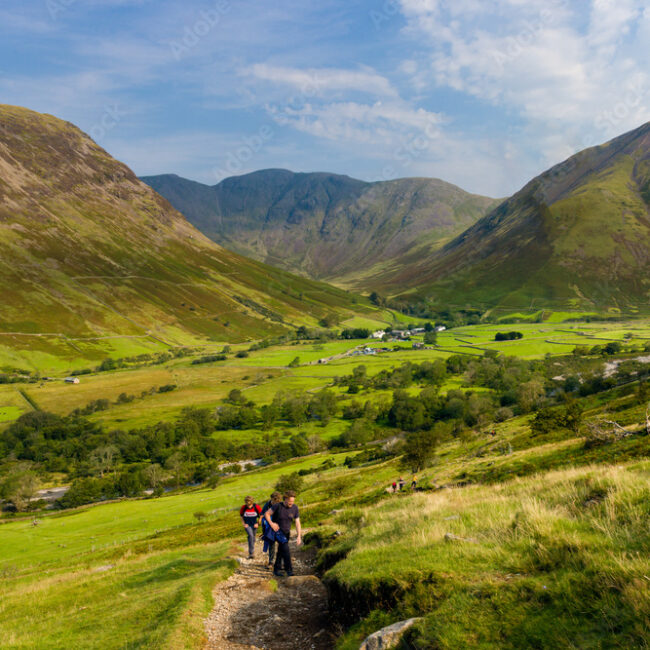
[279, 517]
[269, 545]
[250, 513]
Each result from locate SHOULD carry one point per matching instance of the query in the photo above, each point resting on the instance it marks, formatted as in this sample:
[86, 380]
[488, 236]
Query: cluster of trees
[608, 349]
[428, 372]
[105, 464]
[295, 407]
[355, 333]
[147, 359]
[508, 336]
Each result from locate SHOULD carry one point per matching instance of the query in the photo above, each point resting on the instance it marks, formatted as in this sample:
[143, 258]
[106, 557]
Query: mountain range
[88, 250]
[575, 237]
[326, 226]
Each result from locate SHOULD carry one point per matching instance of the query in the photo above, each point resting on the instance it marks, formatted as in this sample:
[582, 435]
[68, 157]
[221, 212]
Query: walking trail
[255, 610]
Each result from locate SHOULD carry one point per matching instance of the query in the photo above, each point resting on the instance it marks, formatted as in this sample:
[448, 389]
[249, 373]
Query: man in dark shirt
[279, 516]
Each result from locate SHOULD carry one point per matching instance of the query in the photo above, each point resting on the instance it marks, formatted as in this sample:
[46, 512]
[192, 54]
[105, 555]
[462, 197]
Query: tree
[299, 445]
[176, 465]
[235, 396]
[270, 413]
[288, 482]
[420, 449]
[105, 458]
[358, 433]
[573, 415]
[406, 412]
[529, 394]
[430, 338]
[19, 488]
[322, 406]
[154, 474]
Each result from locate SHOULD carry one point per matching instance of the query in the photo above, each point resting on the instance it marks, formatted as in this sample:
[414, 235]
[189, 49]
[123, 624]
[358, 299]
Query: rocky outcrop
[387, 637]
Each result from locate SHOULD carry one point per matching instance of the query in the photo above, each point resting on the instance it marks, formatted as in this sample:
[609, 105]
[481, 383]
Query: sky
[485, 94]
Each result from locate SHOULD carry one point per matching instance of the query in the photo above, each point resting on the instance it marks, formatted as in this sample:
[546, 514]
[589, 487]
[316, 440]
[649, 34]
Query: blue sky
[481, 93]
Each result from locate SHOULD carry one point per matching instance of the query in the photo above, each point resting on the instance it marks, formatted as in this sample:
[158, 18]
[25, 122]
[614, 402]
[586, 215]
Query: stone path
[255, 610]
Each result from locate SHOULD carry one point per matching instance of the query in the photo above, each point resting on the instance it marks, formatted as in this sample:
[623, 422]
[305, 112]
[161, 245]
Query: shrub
[290, 482]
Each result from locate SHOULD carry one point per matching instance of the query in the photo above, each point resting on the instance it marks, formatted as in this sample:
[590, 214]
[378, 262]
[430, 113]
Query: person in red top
[250, 514]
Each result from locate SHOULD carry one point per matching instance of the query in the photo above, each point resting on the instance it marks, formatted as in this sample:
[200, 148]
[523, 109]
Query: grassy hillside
[556, 560]
[575, 237]
[521, 537]
[326, 226]
[87, 251]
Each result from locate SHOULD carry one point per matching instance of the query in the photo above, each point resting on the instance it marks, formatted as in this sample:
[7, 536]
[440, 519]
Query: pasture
[265, 372]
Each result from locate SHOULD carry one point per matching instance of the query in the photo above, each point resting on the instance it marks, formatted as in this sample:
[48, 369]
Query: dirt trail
[249, 612]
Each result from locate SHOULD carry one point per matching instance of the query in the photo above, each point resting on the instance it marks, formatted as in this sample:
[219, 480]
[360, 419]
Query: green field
[265, 372]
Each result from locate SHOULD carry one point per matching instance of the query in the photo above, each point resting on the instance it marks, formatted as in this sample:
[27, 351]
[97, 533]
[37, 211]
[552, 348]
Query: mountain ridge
[576, 235]
[323, 225]
[88, 250]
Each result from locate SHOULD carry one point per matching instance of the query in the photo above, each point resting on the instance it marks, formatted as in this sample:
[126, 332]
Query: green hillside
[576, 237]
[326, 226]
[88, 252]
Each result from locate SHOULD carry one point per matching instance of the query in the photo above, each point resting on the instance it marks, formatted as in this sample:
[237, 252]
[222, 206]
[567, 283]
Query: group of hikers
[400, 483]
[276, 517]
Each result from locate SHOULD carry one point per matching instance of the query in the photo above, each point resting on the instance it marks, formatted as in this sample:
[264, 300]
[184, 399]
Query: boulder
[387, 637]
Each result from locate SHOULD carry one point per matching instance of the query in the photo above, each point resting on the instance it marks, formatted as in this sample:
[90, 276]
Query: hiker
[250, 513]
[279, 516]
[394, 487]
[414, 482]
[269, 545]
[401, 483]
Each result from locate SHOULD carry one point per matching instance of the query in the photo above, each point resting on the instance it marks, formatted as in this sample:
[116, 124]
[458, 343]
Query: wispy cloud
[318, 81]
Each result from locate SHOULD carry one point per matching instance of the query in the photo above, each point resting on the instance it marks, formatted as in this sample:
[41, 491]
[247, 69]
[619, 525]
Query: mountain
[88, 250]
[323, 225]
[577, 236]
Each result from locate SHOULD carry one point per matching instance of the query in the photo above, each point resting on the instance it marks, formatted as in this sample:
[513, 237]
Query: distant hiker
[414, 482]
[394, 487]
[279, 516]
[269, 545]
[250, 513]
[402, 482]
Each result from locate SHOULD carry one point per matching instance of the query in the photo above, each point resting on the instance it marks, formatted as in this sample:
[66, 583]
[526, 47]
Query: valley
[154, 378]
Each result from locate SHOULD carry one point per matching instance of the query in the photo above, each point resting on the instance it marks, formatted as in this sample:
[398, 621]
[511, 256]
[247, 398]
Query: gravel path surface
[255, 610]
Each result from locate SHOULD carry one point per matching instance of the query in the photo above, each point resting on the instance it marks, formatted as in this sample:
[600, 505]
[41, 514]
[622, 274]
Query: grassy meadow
[556, 560]
[518, 539]
[132, 573]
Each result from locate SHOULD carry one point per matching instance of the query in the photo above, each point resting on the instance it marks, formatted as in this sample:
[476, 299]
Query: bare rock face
[387, 637]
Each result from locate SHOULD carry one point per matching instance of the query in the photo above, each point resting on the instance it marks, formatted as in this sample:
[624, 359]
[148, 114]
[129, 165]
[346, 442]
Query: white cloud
[386, 123]
[560, 72]
[316, 81]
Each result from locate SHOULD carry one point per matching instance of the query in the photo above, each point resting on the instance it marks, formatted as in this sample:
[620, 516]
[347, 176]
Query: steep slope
[578, 235]
[86, 249]
[324, 225]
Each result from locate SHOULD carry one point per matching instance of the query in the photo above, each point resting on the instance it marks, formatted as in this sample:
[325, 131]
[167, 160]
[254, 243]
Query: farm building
[71, 380]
